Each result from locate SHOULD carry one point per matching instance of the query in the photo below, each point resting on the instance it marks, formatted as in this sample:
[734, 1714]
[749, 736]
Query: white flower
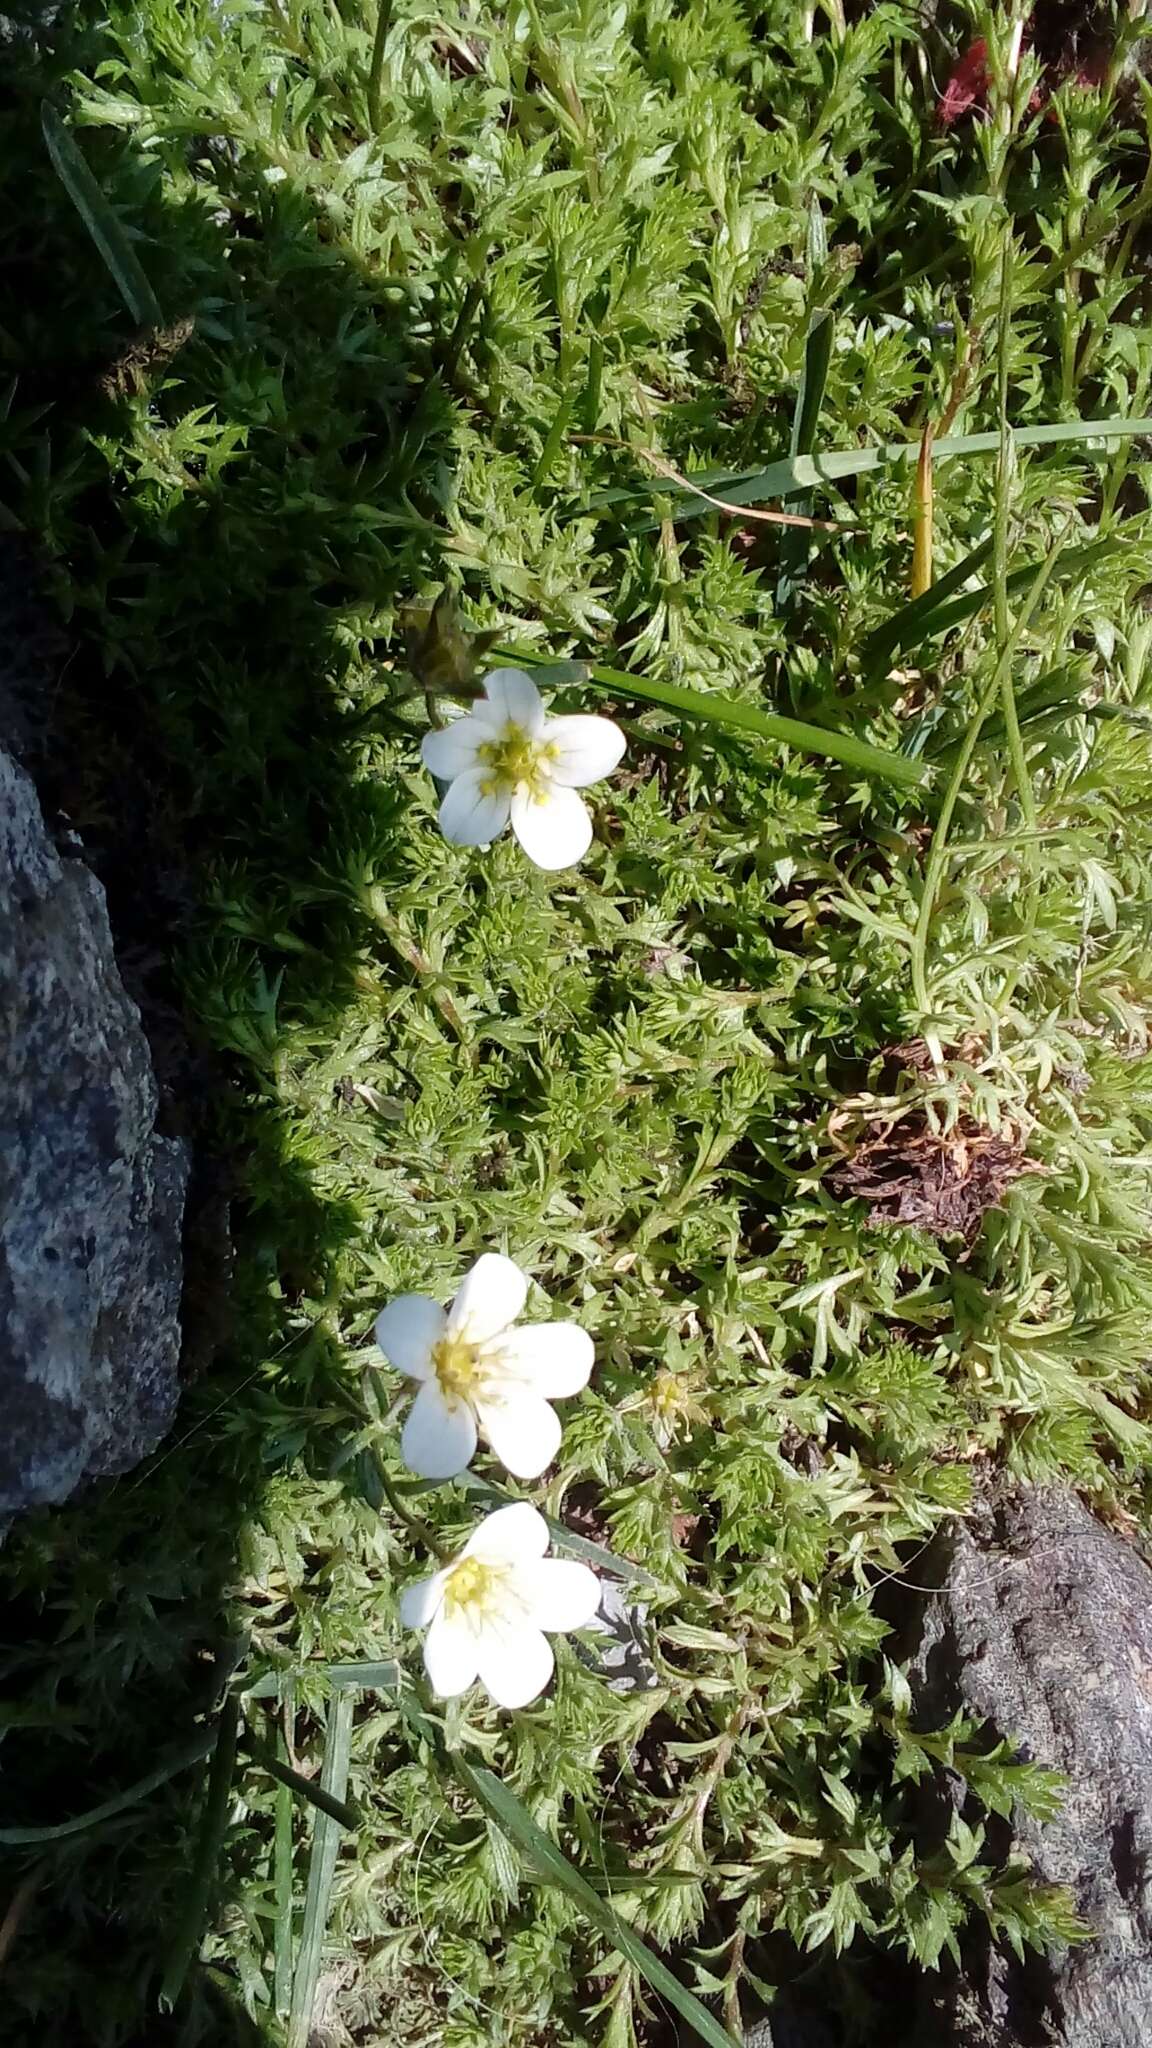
[506, 759]
[487, 1609]
[478, 1373]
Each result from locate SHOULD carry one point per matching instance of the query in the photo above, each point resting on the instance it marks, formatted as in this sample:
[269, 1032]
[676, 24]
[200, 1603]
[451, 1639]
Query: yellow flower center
[475, 1588]
[665, 1393]
[517, 761]
[456, 1365]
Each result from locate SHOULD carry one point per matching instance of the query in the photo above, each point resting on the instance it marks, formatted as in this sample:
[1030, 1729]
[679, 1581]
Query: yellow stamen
[517, 761]
[456, 1365]
[474, 1587]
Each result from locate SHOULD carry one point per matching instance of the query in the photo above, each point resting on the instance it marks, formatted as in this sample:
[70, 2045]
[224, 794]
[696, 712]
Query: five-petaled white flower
[488, 1608]
[479, 1374]
[506, 759]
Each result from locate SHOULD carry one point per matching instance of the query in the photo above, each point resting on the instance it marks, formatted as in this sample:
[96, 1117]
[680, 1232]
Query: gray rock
[25, 25]
[91, 1197]
[1043, 1627]
[788, 2026]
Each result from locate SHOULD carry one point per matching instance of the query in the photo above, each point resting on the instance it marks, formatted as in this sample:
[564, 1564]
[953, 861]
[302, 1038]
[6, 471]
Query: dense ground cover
[819, 1095]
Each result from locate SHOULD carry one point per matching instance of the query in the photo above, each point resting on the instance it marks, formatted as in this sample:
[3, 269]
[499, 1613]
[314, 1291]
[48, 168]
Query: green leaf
[795, 542]
[897, 1687]
[386, 1674]
[796, 473]
[193, 1913]
[321, 1870]
[338, 1810]
[838, 1796]
[540, 1851]
[191, 1754]
[283, 1889]
[814, 378]
[940, 616]
[72, 169]
[551, 1865]
[912, 624]
[724, 711]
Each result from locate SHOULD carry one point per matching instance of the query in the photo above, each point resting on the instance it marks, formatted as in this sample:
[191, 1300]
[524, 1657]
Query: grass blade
[795, 544]
[796, 473]
[938, 610]
[339, 1810]
[192, 1753]
[745, 718]
[214, 1821]
[282, 1879]
[814, 378]
[911, 625]
[923, 518]
[321, 1870]
[386, 1675]
[540, 1851]
[17, 1907]
[550, 1864]
[71, 167]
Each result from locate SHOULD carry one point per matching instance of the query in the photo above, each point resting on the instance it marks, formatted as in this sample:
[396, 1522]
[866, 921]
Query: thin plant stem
[459, 334]
[1005, 471]
[414, 1523]
[376, 68]
[214, 1821]
[938, 852]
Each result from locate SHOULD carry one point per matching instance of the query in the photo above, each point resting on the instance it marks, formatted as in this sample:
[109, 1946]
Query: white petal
[554, 1359]
[523, 1431]
[559, 1593]
[438, 1441]
[451, 1655]
[452, 751]
[513, 1533]
[421, 1600]
[491, 1296]
[588, 748]
[406, 1331]
[469, 816]
[554, 829]
[510, 697]
[515, 1662]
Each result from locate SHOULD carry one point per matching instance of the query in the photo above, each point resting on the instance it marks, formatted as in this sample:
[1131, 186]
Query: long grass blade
[727, 712]
[810, 396]
[911, 625]
[283, 1889]
[938, 609]
[549, 1862]
[17, 1907]
[339, 1810]
[385, 1674]
[938, 851]
[192, 1753]
[794, 546]
[923, 517]
[797, 473]
[194, 1907]
[72, 169]
[321, 1870]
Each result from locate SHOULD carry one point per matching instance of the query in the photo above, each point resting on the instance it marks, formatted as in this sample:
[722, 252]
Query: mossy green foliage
[405, 354]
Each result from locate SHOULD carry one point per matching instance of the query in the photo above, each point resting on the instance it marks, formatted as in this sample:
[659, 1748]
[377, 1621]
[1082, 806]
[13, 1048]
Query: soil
[909, 1171]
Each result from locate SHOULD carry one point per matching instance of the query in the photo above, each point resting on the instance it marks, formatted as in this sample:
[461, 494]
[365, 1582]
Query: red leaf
[968, 85]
